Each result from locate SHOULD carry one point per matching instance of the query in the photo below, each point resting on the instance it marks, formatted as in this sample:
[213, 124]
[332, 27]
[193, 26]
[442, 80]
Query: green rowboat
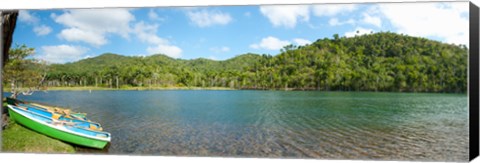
[40, 121]
[61, 114]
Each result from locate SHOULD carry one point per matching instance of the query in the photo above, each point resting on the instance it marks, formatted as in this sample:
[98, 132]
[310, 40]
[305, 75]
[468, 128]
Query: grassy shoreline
[17, 138]
[92, 88]
[130, 88]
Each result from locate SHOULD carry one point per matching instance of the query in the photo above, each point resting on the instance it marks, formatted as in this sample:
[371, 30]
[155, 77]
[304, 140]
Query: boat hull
[56, 133]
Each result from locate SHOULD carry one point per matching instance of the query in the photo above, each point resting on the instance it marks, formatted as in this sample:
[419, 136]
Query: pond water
[276, 124]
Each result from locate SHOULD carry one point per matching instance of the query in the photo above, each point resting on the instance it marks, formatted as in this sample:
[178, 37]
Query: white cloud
[289, 15]
[88, 56]
[286, 15]
[358, 31]
[373, 20]
[220, 49]
[333, 22]
[332, 9]
[53, 15]
[147, 33]
[302, 42]
[213, 58]
[461, 8]
[446, 21]
[42, 30]
[75, 34]
[270, 43]
[169, 50]
[62, 53]
[336, 22]
[205, 18]
[28, 18]
[153, 15]
[89, 22]
[25, 16]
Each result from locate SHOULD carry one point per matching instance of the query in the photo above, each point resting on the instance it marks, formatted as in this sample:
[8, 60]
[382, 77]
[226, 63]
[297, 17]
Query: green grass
[17, 138]
[136, 88]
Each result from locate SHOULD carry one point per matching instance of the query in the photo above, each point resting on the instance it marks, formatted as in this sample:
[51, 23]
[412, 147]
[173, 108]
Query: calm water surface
[326, 125]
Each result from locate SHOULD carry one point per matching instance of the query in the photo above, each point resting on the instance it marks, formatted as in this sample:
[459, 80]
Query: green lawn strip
[17, 138]
[136, 88]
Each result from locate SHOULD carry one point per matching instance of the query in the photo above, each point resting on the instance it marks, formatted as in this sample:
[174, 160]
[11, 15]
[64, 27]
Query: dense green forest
[375, 62]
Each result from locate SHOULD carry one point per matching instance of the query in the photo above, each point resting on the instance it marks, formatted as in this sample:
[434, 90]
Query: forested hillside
[374, 62]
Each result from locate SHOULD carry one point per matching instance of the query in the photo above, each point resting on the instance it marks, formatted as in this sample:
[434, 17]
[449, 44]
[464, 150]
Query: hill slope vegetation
[374, 62]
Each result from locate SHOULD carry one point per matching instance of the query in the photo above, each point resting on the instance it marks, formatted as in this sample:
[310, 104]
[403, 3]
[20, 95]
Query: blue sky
[220, 33]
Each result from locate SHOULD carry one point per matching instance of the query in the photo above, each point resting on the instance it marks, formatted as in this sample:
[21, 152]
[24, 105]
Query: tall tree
[23, 73]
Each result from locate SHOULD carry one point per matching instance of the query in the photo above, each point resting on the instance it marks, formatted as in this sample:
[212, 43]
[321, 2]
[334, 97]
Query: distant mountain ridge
[373, 62]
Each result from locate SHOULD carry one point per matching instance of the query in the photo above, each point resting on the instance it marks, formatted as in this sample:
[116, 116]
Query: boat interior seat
[93, 127]
[56, 116]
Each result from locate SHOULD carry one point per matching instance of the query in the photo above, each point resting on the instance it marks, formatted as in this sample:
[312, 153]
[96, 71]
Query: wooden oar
[66, 112]
[76, 124]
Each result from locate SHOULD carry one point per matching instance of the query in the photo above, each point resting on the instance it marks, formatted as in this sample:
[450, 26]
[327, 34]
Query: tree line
[375, 62]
